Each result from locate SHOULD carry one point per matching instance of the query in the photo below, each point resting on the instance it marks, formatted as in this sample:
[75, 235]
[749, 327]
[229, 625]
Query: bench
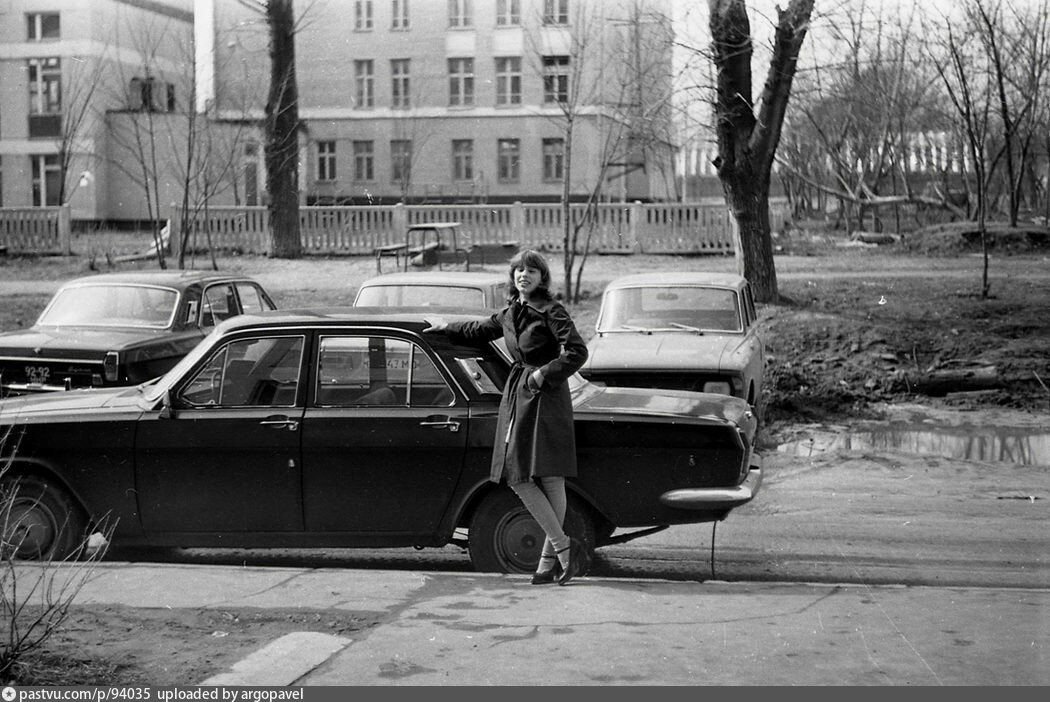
[394, 250]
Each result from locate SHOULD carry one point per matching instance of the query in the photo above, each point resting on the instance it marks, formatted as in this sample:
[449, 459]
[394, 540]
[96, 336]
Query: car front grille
[669, 381]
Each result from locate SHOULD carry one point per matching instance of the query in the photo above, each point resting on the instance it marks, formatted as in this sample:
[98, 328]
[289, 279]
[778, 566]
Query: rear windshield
[143, 306]
[419, 295]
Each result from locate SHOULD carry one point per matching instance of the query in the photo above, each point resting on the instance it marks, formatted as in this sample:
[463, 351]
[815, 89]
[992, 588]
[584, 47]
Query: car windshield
[145, 306]
[670, 308]
[419, 295]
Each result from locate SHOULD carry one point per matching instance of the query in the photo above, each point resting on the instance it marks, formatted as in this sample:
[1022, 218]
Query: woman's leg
[554, 488]
[541, 509]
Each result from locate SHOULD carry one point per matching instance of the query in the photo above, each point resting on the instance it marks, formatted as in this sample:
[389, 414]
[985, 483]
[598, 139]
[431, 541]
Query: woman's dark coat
[535, 436]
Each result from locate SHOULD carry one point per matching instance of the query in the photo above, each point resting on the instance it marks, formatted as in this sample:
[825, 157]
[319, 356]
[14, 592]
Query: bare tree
[747, 142]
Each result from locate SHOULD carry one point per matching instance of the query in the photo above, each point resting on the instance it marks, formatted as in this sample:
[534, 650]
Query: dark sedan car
[351, 428]
[121, 328]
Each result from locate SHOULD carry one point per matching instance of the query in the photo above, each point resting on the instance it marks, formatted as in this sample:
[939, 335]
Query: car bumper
[713, 498]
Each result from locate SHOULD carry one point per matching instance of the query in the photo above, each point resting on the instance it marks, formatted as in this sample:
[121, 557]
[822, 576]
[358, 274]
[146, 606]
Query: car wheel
[40, 520]
[504, 538]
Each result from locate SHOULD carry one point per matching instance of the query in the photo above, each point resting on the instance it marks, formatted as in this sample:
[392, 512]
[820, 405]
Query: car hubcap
[31, 529]
[519, 543]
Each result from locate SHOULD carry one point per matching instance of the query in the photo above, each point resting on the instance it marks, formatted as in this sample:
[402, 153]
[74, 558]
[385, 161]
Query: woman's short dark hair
[529, 258]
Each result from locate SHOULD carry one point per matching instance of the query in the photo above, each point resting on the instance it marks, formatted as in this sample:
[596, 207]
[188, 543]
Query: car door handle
[290, 424]
[440, 424]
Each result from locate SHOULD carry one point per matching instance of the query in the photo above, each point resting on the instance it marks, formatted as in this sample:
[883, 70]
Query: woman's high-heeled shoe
[549, 576]
[576, 556]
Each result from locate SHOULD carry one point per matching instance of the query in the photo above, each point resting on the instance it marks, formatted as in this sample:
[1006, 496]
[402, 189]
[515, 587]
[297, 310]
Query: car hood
[60, 403]
[702, 407]
[77, 341]
[659, 350]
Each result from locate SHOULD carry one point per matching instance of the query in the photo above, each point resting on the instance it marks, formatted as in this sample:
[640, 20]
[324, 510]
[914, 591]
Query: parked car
[681, 331]
[352, 428]
[121, 328]
[441, 288]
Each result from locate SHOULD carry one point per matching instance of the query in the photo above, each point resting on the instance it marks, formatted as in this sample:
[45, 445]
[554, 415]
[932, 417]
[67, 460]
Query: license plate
[37, 375]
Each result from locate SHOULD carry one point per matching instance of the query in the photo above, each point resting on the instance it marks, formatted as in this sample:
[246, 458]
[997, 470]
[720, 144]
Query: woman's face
[527, 279]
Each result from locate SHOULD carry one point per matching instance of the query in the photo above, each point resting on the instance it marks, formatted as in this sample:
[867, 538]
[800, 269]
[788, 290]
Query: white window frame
[364, 84]
[399, 14]
[35, 26]
[555, 79]
[326, 171]
[400, 83]
[460, 13]
[42, 165]
[45, 86]
[462, 159]
[553, 160]
[508, 80]
[508, 13]
[400, 160]
[460, 82]
[364, 160]
[555, 11]
[363, 15]
[508, 160]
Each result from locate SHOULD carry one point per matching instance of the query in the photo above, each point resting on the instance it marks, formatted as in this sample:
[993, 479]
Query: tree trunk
[754, 246]
[282, 133]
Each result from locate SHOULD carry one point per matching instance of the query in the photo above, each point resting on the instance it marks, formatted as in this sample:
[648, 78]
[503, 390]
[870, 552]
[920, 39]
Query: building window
[460, 13]
[553, 159]
[364, 85]
[461, 81]
[508, 81]
[47, 180]
[555, 11]
[363, 15]
[400, 161]
[555, 79]
[42, 25]
[399, 84]
[45, 86]
[462, 159]
[364, 160]
[326, 160]
[251, 173]
[509, 158]
[399, 14]
[508, 12]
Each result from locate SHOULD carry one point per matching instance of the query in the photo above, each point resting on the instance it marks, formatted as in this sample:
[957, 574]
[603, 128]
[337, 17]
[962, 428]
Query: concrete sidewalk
[481, 629]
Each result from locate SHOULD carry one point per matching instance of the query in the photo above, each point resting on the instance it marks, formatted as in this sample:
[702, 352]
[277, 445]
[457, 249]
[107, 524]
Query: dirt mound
[964, 237]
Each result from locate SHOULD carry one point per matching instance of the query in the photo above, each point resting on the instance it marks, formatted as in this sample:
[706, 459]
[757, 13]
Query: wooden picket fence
[36, 230]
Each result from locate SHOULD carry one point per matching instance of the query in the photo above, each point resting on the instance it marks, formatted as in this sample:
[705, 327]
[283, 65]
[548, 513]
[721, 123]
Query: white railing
[36, 230]
[661, 228]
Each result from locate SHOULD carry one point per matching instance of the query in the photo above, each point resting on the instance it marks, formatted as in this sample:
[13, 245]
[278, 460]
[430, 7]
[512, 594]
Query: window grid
[461, 81]
[509, 160]
[508, 81]
[462, 159]
[42, 25]
[47, 180]
[400, 161]
[399, 84]
[399, 14]
[555, 79]
[555, 11]
[364, 83]
[364, 160]
[553, 159]
[508, 13]
[460, 13]
[363, 15]
[326, 160]
[45, 86]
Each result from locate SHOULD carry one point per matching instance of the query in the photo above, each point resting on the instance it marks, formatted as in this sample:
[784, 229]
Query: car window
[359, 371]
[252, 300]
[219, 304]
[419, 295]
[111, 306]
[260, 372]
[671, 307]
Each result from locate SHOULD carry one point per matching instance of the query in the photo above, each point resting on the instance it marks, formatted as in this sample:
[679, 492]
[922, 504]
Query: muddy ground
[859, 326]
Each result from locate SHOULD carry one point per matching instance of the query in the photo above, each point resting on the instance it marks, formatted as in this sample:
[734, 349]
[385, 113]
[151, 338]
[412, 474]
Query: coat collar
[541, 305]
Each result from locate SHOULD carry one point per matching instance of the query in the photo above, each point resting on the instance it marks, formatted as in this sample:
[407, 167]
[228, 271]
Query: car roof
[725, 280]
[437, 278]
[174, 279]
[397, 316]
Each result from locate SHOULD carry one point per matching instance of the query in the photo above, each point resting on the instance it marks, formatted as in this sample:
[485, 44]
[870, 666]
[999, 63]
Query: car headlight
[719, 387]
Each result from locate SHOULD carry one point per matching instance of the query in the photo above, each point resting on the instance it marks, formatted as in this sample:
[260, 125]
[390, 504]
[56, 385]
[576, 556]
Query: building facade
[460, 100]
[68, 70]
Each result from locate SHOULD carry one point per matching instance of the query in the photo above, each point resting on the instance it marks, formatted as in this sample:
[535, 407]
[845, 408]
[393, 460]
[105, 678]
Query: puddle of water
[993, 445]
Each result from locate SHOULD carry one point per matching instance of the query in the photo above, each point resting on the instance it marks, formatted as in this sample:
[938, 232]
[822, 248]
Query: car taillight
[110, 365]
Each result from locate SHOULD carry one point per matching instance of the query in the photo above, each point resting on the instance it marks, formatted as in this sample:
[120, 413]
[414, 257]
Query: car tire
[504, 538]
[40, 520]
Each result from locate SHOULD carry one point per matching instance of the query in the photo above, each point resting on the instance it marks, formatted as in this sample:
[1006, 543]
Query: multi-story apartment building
[69, 71]
[461, 100]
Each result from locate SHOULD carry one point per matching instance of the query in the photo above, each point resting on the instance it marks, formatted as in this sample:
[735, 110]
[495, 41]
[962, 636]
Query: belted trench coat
[535, 436]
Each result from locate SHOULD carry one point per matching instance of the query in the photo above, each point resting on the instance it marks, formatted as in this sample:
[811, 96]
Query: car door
[229, 459]
[383, 437]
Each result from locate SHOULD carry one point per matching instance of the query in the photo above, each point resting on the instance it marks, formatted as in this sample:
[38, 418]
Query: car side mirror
[167, 410]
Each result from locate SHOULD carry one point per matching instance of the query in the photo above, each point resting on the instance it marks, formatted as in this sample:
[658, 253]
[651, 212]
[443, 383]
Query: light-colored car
[434, 289]
[681, 331]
